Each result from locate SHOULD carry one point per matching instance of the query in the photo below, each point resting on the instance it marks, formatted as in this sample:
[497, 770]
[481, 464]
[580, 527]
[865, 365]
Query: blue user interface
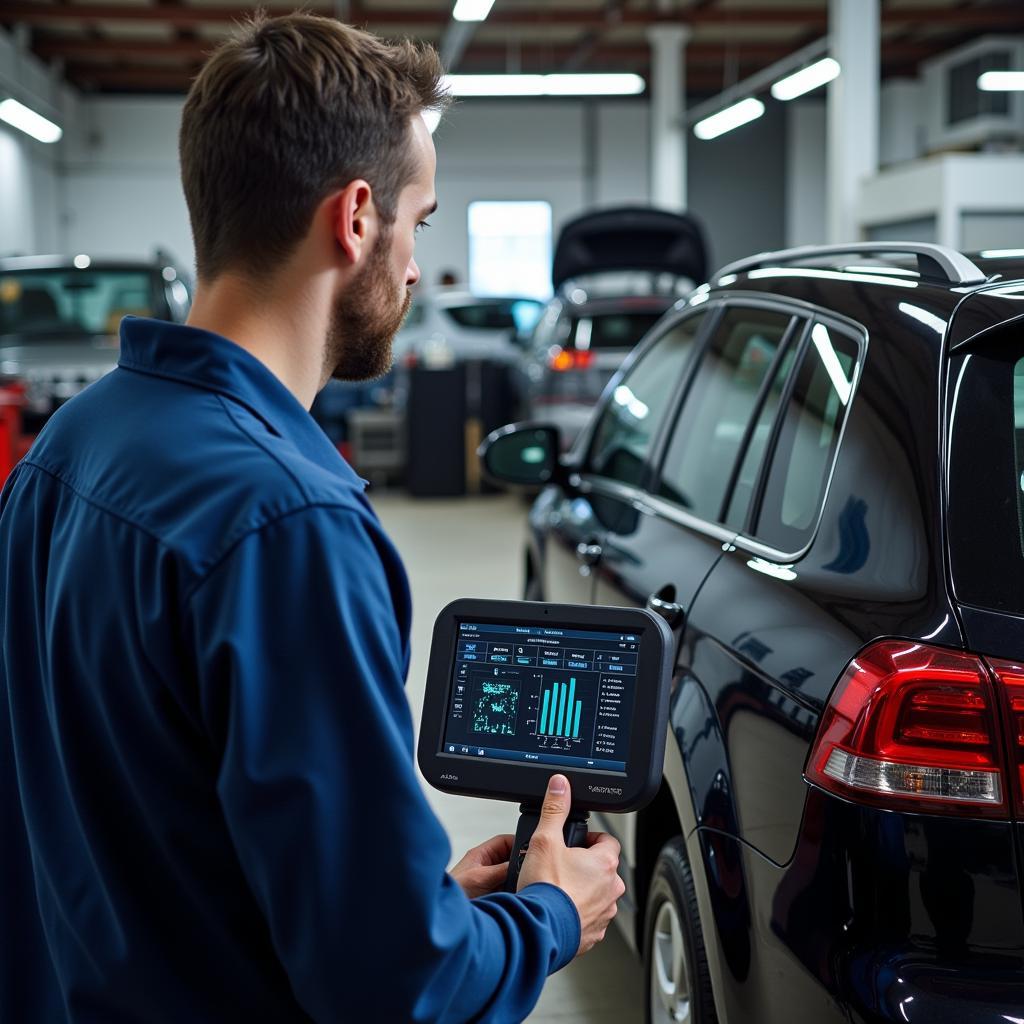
[545, 695]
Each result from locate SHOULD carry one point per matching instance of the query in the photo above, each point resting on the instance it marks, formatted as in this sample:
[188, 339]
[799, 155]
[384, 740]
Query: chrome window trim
[646, 502]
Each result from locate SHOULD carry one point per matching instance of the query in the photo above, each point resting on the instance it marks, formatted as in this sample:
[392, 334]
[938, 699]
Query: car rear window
[497, 314]
[986, 471]
[610, 330]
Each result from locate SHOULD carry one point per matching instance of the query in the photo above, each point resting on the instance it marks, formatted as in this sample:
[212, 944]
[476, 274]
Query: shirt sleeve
[300, 661]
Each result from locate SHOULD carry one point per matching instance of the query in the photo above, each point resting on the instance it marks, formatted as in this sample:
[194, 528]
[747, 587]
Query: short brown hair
[285, 111]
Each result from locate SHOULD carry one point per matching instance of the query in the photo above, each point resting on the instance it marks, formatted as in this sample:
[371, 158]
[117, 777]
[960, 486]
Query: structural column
[852, 128]
[668, 127]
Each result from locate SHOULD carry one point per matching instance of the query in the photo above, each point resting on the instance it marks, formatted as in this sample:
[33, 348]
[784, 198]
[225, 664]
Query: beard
[365, 320]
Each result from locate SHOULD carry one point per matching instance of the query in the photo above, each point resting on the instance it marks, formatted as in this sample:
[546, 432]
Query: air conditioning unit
[958, 115]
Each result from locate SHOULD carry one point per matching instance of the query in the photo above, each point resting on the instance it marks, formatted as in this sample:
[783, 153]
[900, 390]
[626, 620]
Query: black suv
[812, 468]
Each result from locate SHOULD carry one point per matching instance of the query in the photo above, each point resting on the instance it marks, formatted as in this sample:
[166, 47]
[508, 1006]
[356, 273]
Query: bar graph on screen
[560, 711]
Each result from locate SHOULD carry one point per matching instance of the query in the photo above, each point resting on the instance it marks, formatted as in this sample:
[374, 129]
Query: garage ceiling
[156, 46]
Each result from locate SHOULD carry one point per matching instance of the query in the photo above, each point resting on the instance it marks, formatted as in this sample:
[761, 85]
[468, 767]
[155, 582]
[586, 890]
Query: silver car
[449, 325]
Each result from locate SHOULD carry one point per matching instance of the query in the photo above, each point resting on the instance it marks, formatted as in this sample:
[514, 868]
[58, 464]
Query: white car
[447, 325]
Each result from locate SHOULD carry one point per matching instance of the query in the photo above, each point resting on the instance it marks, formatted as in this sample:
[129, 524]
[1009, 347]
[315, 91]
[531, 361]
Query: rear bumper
[877, 917]
[900, 988]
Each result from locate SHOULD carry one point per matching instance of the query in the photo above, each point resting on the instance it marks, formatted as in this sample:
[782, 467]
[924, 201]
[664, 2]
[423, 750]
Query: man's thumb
[556, 805]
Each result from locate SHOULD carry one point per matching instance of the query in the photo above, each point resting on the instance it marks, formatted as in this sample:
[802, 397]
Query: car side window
[709, 432]
[626, 428]
[808, 437]
[746, 478]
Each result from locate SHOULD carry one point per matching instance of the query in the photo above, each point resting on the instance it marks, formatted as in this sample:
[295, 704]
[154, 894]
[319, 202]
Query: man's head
[301, 139]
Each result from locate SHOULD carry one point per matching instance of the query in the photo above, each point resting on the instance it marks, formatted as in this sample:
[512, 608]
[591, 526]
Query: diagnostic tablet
[519, 690]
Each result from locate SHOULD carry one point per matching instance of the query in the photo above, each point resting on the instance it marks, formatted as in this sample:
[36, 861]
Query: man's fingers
[555, 809]
[496, 850]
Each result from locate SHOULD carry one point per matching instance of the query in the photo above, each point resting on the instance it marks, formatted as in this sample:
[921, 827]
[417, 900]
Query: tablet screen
[542, 694]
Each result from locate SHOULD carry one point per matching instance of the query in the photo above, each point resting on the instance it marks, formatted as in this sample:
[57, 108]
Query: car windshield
[39, 305]
[610, 330]
[497, 314]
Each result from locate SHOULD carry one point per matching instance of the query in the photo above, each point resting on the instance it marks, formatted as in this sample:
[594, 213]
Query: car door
[765, 648]
[617, 461]
[678, 534]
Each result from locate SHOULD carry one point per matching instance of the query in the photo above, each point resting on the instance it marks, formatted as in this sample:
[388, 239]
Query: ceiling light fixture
[1001, 81]
[21, 117]
[806, 79]
[472, 10]
[732, 117]
[545, 85]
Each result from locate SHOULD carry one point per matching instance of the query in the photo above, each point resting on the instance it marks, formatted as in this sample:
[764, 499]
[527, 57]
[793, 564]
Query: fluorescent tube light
[472, 10]
[593, 85]
[21, 117]
[1001, 81]
[806, 79]
[732, 117]
[545, 85]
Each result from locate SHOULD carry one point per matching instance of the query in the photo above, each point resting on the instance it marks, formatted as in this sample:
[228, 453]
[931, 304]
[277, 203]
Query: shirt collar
[214, 363]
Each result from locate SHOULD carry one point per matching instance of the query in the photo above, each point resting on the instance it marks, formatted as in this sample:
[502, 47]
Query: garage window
[510, 248]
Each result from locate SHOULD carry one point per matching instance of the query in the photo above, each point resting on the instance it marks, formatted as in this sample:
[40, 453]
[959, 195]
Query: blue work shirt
[208, 806]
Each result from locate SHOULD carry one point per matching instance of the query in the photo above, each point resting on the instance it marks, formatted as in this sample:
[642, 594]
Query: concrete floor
[472, 547]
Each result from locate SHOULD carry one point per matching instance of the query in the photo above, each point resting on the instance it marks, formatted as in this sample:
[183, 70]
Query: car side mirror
[521, 455]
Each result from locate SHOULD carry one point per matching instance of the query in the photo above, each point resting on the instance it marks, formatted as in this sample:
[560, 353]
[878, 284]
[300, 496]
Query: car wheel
[678, 982]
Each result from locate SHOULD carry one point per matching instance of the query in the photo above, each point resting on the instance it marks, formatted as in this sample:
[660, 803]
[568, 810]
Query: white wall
[738, 187]
[806, 216]
[500, 151]
[963, 200]
[111, 186]
[123, 193]
[123, 196]
[29, 170]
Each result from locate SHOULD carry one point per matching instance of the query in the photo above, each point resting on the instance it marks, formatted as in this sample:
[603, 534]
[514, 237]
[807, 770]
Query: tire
[678, 989]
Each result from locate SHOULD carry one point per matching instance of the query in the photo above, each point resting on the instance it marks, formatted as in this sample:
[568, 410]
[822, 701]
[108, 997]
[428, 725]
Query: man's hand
[589, 877]
[484, 868]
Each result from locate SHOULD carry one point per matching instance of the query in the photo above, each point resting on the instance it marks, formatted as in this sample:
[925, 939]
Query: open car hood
[630, 238]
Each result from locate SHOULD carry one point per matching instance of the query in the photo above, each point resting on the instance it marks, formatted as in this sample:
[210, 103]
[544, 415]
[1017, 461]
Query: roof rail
[935, 261]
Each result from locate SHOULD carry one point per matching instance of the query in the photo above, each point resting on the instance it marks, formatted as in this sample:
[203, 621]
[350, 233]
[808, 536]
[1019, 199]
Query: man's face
[369, 313]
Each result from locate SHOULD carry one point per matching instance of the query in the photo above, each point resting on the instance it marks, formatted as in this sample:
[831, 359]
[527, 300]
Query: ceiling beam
[142, 80]
[1002, 17]
[701, 54]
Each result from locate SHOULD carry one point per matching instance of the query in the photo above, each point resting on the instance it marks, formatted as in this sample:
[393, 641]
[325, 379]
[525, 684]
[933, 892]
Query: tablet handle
[574, 831]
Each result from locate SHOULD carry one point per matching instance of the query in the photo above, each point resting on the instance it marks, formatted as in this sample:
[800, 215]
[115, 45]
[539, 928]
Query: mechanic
[208, 806]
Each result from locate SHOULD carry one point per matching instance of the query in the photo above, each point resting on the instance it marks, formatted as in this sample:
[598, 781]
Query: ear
[354, 219]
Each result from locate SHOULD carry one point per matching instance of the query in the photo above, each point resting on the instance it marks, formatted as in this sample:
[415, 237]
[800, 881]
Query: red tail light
[1011, 684]
[571, 359]
[914, 727]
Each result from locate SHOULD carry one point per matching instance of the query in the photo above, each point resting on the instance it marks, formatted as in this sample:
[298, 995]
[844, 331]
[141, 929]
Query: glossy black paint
[815, 908]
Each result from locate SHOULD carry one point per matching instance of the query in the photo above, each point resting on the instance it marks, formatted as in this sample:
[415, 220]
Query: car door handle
[670, 611]
[588, 554]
